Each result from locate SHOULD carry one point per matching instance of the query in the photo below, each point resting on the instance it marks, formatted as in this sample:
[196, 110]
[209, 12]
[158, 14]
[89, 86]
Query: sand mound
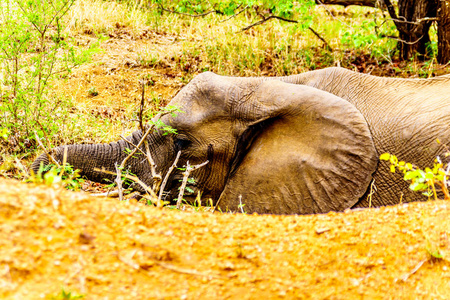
[54, 242]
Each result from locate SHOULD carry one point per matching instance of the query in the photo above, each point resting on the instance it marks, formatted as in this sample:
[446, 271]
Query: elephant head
[273, 146]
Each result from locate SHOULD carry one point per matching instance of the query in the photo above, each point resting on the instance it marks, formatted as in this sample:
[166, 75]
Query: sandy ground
[55, 240]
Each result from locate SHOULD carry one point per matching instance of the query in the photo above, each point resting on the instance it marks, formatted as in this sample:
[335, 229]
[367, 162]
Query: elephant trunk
[88, 157]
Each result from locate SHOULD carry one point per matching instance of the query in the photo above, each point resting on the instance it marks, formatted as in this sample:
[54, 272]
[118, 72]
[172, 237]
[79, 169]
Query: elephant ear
[306, 151]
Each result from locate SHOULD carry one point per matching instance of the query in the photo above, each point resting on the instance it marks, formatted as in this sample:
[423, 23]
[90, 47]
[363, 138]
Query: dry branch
[156, 177]
[405, 277]
[186, 174]
[369, 3]
[166, 178]
[50, 157]
[118, 181]
[185, 14]
[133, 178]
[236, 14]
[265, 19]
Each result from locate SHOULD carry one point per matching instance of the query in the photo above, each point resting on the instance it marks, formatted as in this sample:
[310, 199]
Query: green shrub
[428, 181]
[33, 51]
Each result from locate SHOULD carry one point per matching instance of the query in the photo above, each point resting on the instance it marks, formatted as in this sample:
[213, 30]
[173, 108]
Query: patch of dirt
[54, 240]
[112, 78]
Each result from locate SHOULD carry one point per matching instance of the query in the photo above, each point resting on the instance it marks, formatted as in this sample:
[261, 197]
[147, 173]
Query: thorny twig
[166, 178]
[236, 14]
[156, 177]
[133, 178]
[50, 157]
[265, 19]
[320, 38]
[118, 181]
[64, 162]
[186, 174]
[416, 268]
[240, 204]
[138, 146]
[141, 109]
[185, 14]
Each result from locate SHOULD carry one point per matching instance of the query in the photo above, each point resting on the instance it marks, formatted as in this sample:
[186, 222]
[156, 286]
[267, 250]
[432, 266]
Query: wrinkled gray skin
[301, 144]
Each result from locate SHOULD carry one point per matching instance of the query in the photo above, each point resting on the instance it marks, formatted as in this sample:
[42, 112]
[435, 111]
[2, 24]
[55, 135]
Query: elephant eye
[181, 143]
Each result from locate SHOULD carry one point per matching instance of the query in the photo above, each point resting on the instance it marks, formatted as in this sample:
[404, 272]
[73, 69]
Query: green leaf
[410, 175]
[385, 156]
[417, 186]
[429, 175]
[394, 160]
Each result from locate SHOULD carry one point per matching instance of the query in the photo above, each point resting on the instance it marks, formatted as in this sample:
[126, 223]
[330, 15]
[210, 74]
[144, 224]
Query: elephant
[300, 144]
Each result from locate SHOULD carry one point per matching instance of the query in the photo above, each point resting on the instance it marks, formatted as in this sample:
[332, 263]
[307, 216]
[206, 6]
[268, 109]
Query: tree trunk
[413, 26]
[370, 3]
[443, 14]
[413, 22]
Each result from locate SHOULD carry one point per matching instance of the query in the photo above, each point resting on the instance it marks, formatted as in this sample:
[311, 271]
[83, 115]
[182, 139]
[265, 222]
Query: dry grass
[102, 17]
[274, 48]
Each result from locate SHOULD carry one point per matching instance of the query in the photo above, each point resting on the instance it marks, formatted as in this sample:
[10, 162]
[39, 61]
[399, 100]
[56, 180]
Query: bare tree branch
[149, 130]
[236, 14]
[141, 108]
[185, 14]
[118, 181]
[321, 38]
[49, 156]
[155, 176]
[133, 178]
[265, 19]
[369, 3]
[166, 178]
[186, 174]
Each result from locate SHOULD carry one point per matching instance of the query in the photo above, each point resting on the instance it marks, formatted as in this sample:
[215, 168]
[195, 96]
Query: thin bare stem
[240, 204]
[133, 178]
[166, 178]
[186, 174]
[50, 157]
[155, 176]
[64, 162]
[151, 162]
[265, 19]
[320, 38]
[150, 129]
[405, 277]
[236, 14]
[185, 14]
[141, 108]
[118, 181]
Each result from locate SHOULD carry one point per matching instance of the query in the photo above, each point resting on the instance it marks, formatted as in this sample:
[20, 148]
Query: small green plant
[52, 175]
[93, 92]
[67, 295]
[239, 251]
[427, 181]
